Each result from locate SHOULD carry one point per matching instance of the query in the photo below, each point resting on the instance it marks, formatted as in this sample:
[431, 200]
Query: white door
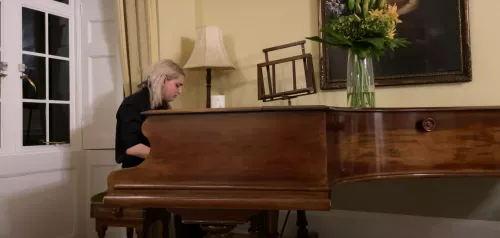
[59, 66]
[102, 93]
[100, 73]
[41, 161]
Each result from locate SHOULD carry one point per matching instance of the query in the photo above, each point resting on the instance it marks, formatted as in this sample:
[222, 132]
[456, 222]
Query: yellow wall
[250, 26]
[177, 32]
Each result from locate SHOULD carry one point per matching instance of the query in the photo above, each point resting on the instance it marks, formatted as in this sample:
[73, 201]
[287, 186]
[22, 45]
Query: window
[46, 90]
[3, 67]
[38, 90]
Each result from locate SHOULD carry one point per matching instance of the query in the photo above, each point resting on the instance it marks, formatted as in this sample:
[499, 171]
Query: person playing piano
[164, 83]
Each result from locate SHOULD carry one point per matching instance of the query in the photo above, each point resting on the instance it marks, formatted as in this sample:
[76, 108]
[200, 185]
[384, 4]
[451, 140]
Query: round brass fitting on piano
[428, 124]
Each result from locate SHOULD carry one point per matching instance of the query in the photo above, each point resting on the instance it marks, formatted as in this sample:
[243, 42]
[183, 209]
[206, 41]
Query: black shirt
[128, 127]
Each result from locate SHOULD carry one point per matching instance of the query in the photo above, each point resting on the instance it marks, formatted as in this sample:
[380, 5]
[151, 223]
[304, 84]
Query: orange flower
[376, 13]
[392, 31]
[392, 11]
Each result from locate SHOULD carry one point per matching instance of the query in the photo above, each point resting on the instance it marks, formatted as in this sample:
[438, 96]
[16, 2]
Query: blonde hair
[163, 69]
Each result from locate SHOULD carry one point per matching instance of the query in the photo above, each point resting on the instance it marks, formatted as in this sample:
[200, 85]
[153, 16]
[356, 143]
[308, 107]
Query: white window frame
[4, 145]
[12, 129]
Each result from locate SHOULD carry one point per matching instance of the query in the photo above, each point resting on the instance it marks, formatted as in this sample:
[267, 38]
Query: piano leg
[272, 224]
[130, 232]
[101, 231]
[142, 232]
[302, 223]
[165, 232]
[257, 223]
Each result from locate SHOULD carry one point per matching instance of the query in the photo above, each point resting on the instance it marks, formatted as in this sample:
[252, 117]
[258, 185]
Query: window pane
[58, 79]
[0, 23]
[34, 132]
[63, 1]
[33, 30]
[35, 69]
[0, 94]
[59, 123]
[58, 36]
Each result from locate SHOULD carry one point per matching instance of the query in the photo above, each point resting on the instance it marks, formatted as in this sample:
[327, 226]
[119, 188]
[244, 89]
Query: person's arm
[409, 7]
[139, 150]
[131, 133]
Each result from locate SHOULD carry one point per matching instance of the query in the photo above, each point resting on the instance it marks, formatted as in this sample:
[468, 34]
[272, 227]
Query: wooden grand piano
[221, 167]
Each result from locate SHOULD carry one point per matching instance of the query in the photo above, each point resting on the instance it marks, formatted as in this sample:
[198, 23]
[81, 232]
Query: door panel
[42, 185]
[101, 73]
[28, 209]
[3, 73]
[102, 93]
[99, 164]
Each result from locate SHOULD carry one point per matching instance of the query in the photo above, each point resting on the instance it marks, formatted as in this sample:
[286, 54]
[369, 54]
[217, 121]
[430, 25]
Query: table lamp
[209, 53]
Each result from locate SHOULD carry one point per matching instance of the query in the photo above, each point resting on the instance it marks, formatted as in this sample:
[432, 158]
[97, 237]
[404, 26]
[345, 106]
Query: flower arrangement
[365, 28]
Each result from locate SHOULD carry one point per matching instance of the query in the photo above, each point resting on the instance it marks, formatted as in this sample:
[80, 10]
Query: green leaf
[350, 4]
[397, 42]
[377, 42]
[366, 6]
[330, 42]
[381, 4]
[362, 53]
[337, 36]
[362, 50]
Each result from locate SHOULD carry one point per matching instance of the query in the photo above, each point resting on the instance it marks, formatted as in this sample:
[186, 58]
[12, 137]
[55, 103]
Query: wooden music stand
[272, 93]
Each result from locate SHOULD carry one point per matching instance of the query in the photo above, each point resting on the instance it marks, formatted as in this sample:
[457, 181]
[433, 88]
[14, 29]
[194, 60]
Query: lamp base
[209, 86]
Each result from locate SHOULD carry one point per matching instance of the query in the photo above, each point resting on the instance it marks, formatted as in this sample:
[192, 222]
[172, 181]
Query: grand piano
[222, 167]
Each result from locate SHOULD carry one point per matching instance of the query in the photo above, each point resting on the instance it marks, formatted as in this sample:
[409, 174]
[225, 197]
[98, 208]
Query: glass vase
[360, 81]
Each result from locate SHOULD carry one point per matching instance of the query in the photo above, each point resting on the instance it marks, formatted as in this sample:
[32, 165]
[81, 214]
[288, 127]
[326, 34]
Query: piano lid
[317, 108]
[238, 109]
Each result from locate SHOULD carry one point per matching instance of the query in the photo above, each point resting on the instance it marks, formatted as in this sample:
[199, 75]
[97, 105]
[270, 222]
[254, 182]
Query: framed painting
[439, 49]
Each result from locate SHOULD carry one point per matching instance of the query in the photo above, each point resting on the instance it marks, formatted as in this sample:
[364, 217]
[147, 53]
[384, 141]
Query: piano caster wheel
[218, 231]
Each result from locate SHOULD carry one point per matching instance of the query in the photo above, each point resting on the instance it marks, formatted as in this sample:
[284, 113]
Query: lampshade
[209, 50]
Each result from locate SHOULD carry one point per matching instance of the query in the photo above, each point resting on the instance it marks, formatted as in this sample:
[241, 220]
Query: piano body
[220, 167]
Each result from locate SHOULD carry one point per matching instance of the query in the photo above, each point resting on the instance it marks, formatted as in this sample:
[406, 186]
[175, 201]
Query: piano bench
[132, 218]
